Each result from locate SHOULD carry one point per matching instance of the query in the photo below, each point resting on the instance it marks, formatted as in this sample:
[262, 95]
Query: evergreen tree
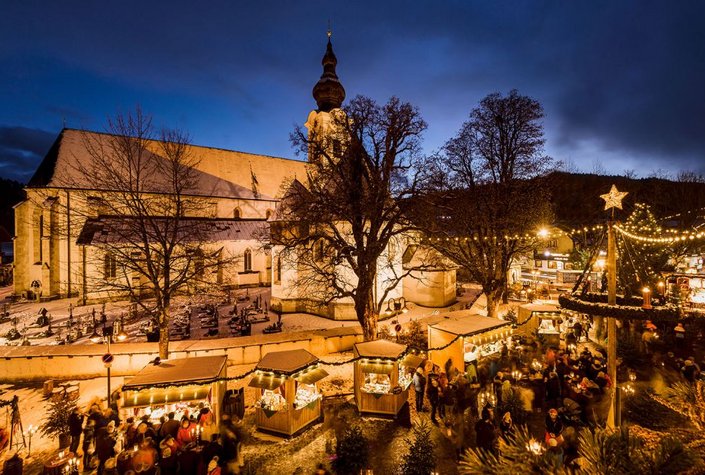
[421, 459]
[352, 452]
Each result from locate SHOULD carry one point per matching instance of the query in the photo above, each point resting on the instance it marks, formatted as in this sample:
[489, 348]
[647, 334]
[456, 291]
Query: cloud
[21, 150]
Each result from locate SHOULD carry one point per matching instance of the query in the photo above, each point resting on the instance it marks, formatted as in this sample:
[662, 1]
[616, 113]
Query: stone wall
[24, 363]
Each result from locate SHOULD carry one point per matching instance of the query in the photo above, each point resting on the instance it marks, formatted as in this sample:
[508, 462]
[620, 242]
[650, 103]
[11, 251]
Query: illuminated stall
[288, 396]
[542, 319]
[182, 386]
[383, 374]
[465, 338]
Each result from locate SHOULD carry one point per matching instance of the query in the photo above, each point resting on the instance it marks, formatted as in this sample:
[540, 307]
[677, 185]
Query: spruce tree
[421, 459]
[352, 452]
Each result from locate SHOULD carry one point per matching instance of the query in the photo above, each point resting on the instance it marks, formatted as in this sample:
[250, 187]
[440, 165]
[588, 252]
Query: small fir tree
[421, 458]
[56, 423]
[352, 452]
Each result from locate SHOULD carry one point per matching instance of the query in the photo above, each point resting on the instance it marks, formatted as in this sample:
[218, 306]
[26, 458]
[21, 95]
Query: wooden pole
[613, 416]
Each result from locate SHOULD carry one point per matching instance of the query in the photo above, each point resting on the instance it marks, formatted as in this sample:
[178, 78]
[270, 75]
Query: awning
[312, 376]
[412, 361]
[377, 368]
[159, 397]
[266, 381]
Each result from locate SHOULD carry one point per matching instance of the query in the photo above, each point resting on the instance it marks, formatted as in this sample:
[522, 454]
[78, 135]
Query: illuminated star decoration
[614, 198]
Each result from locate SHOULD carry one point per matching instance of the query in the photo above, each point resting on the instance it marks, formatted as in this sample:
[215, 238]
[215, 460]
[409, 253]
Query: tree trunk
[369, 325]
[367, 315]
[164, 335]
[493, 299]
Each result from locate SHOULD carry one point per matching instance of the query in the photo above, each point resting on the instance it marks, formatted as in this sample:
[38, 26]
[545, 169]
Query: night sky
[622, 83]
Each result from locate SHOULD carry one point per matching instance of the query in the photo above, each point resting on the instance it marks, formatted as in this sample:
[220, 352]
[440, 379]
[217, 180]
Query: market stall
[383, 374]
[465, 338]
[288, 396]
[182, 386]
[542, 319]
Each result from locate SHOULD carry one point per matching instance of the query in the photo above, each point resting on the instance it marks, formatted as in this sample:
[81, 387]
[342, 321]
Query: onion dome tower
[328, 91]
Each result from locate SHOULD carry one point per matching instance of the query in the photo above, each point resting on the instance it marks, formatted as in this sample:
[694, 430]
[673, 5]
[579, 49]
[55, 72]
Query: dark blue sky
[622, 83]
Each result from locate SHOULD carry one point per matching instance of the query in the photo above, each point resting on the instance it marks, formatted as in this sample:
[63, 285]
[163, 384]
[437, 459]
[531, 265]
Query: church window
[38, 234]
[268, 214]
[109, 266]
[278, 270]
[248, 260]
[237, 214]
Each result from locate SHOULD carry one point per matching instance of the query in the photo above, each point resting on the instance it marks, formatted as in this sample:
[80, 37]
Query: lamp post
[394, 306]
[107, 337]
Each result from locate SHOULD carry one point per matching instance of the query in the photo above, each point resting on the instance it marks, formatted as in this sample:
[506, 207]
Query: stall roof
[537, 307]
[469, 325]
[266, 381]
[197, 370]
[286, 362]
[380, 349]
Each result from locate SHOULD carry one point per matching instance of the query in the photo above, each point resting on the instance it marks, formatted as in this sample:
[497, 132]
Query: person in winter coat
[554, 427]
[169, 462]
[433, 396]
[105, 445]
[419, 388]
[170, 426]
[186, 433]
[553, 390]
[506, 426]
[485, 431]
[213, 467]
[88, 443]
[75, 428]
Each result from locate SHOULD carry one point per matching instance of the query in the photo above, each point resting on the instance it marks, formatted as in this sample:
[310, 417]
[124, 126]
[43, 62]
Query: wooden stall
[382, 377]
[287, 389]
[179, 385]
[466, 338]
[541, 319]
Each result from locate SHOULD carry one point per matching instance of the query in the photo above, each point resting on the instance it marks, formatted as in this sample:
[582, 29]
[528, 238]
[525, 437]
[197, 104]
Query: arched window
[268, 214]
[247, 261]
[237, 214]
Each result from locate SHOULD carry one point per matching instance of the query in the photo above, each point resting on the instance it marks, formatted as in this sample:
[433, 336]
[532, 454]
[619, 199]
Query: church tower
[329, 95]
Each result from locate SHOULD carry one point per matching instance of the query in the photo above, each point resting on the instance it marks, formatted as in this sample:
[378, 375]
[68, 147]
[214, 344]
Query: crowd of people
[192, 445]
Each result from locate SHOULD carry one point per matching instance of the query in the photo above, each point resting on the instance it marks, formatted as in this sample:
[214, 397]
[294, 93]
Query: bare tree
[344, 227]
[485, 198]
[144, 218]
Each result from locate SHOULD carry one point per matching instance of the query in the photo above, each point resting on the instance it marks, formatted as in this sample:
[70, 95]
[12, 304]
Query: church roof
[116, 229]
[221, 173]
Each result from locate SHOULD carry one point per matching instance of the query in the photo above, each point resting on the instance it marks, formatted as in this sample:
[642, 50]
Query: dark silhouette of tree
[343, 226]
[485, 198]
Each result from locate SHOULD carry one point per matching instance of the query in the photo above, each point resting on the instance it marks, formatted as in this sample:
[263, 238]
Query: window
[268, 214]
[551, 264]
[538, 263]
[38, 234]
[109, 266]
[278, 270]
[247, 261]
[237, 214]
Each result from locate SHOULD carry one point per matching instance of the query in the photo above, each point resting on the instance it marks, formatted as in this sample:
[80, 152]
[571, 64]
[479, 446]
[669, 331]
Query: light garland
[660, 239]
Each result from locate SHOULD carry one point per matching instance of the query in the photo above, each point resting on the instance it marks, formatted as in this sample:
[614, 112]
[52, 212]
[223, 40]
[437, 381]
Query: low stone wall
[24, 363]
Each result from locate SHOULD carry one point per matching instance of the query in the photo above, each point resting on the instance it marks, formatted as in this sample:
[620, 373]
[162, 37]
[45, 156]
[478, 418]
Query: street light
[108, 334]
[396, 305]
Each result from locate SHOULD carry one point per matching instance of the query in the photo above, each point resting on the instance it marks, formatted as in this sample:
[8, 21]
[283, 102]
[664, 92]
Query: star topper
[614, 198]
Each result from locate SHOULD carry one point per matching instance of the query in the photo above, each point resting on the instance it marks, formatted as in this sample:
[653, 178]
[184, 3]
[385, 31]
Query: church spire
[328, 91]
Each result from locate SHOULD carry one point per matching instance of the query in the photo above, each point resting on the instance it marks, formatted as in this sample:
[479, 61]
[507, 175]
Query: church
[61, 224]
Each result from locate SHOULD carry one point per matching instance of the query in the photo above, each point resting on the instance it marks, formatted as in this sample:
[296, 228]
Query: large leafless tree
[484, 194]
[144, 216]
[343, 226]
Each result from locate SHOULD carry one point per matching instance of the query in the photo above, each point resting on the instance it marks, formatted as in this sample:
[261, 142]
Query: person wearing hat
[213, 467]
[554, 427]
[169, 462]
[690, 370]
[485, 431]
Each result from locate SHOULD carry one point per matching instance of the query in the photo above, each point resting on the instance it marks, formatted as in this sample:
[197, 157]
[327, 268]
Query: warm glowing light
[543, 233]
[535, 447]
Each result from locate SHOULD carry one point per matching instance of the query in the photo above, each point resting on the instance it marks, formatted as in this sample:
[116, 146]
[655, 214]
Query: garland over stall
[182, 386]
[288, 398]
[383, 374]
[464, 338]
